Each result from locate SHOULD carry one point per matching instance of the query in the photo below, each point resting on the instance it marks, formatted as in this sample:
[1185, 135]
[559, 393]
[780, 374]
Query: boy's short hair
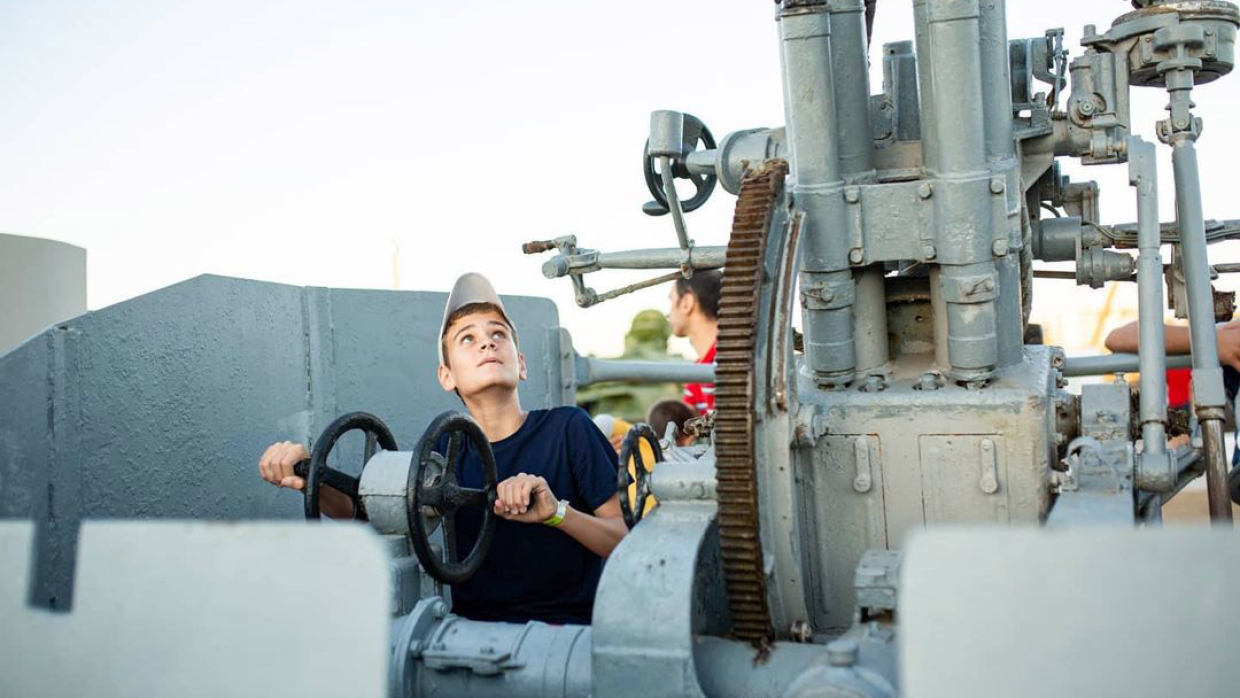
[706, 287]
[665, 411]
[467, 309]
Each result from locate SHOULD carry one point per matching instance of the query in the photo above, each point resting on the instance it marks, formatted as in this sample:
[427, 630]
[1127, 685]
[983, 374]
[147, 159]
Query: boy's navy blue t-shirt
[537, 572]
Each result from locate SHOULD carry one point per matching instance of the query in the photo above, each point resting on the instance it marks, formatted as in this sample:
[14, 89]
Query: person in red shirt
[695, 314]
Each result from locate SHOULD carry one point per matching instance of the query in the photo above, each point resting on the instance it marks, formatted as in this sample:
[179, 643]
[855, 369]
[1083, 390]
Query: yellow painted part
[622, 427]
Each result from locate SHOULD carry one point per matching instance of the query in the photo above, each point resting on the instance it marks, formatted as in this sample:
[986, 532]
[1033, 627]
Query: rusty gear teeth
[735, 464]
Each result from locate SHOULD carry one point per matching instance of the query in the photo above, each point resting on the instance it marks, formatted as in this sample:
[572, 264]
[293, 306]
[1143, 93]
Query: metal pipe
[1216, 470]
[1143, 174]
[849, 65]
[996, 80]
[673, 201]
[1208, 396]
[1076, 366]
[698, 258]
[953, 138]
[871, 319]
[851, 79]
[949, 59]
[827, 288]
[1187, 467]
[591, 370]
[598, 370]
[900, 84]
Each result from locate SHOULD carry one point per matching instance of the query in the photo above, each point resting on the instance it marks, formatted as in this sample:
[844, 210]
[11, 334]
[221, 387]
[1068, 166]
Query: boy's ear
[687, 303]
[448, 381]
[521, 360]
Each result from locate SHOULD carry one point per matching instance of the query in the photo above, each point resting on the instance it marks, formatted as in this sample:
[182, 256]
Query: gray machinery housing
[872, 384]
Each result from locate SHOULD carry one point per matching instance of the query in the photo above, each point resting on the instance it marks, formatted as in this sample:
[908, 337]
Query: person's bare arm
[1125, 339]
[276, 466]
[599, 532]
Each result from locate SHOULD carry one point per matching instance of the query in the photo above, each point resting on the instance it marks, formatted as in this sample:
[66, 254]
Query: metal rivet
[997, 185]
[855, 255]
[928, 251]
[1000, 247]
[925, 190]
[852, 195]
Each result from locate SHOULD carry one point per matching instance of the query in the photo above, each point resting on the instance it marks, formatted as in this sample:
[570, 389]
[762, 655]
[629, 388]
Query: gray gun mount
[839, 528]
[905, 234]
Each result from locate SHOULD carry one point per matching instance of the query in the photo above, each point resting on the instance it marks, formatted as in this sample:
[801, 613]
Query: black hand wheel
[704, 184]
[631, 448]
[316, 473]
[446, 497]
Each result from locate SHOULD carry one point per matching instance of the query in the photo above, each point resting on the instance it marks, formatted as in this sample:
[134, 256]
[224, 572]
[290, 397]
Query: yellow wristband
[560, 510]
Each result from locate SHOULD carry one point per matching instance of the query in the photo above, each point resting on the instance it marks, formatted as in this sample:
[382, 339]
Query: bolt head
[843, 652]
[852, 195]
[1000, 247]
[997, 185]
[855, 255]
[928, 251]
[925, 190]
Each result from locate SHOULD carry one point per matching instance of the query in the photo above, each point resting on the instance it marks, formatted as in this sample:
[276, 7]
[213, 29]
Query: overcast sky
[316, 142]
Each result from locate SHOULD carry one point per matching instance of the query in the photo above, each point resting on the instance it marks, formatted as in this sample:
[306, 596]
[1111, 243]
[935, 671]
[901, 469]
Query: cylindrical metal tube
[1076, 366]
[1209, 398]
[591, 370]
[1202, 333]
[1010, 326]
[851, 78]
[954, 149]
[953, 128]
[827, 289]
[870, 313]
[938, 309]
[673, 201]
[1216, 471]
[1153, 353]
[469, 658]
[972, 343]
[813, 132]
[900, 84]
[827, 300]
[996, 80]
[849, 65]
[702, 258]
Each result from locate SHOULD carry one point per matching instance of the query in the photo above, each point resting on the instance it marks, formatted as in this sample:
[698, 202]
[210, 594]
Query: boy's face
[681, 307]
[480, 355]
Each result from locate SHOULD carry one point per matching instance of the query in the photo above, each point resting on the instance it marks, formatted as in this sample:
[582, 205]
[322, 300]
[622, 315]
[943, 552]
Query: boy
[546, 557]
[694, 314]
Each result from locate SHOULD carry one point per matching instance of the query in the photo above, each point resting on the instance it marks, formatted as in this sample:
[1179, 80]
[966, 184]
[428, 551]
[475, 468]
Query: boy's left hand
[514, 502]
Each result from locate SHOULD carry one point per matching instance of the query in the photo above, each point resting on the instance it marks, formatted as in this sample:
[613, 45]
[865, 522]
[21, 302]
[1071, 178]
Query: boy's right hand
[276, 465]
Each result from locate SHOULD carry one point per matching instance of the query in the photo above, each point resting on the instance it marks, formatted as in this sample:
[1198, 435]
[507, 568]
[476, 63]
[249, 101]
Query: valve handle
[633, 507]
[316, 472]
[446, 497]
[704, 184]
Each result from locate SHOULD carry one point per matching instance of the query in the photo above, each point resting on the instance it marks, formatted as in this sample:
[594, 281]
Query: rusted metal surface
[734, 403]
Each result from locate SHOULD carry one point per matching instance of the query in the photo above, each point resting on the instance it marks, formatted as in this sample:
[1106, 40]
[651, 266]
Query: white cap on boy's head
[472, 287]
